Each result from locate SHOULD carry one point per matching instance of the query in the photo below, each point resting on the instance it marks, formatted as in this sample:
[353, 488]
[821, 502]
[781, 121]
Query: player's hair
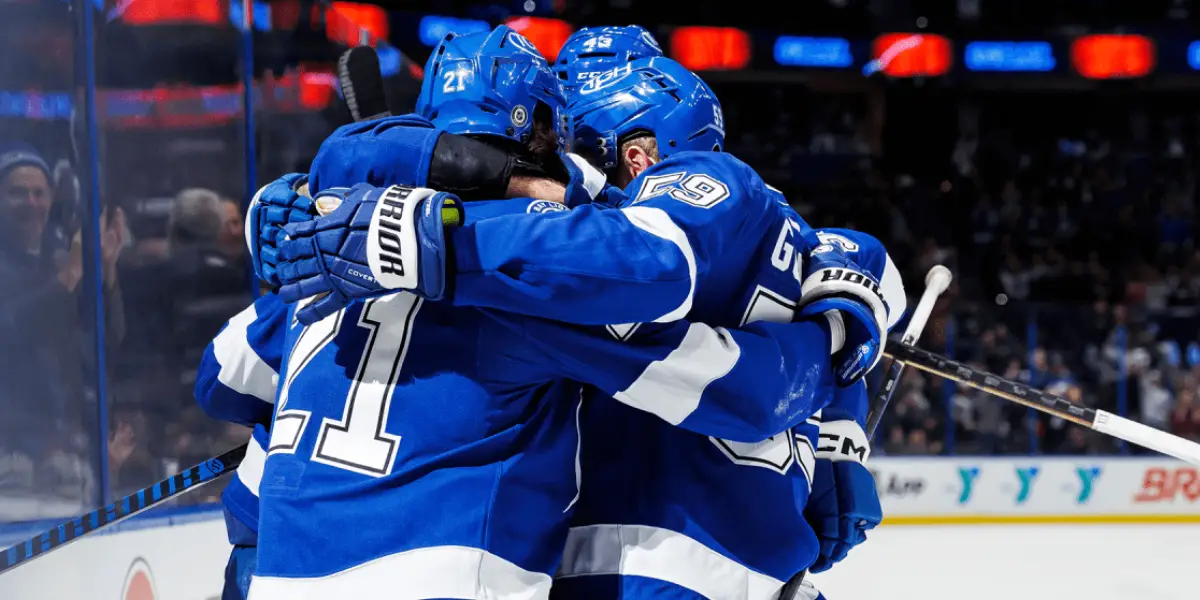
[647, 142]
[196, 217]
[543, 137]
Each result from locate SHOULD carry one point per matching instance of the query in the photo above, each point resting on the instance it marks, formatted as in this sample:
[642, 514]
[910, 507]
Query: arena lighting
[435, 27]
[711, 48]
[548, 35]
[35, 106]
[797, 51]
[909, 55]
[1113, 56]
[1012, 57]
[262, 15]
[162, 12]
[345, 22]
[1194, 55]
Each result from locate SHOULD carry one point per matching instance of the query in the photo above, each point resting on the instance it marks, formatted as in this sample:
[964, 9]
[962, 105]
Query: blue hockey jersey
[236, 382]
[446, 440]
[665, 512]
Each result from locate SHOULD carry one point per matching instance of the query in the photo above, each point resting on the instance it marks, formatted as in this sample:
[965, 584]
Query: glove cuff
[843, 440]
[837, 330]
[391, 236]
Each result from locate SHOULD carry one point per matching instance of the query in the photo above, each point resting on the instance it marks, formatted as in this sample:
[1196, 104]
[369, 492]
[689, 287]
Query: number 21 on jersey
[356, 441]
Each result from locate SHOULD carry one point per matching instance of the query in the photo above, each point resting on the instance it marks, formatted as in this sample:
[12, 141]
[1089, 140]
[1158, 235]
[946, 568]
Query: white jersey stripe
[250, 472]
[657, 222]
[673, 386]
[435, 572]
[665, 555]
[242, 370]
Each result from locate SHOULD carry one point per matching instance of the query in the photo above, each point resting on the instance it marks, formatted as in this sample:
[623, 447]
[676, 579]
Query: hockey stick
[936, 281]
[122, 509]
[362, 84]
[1025, 395]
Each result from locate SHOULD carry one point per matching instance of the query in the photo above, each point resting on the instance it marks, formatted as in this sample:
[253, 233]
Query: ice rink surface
[1021, 562]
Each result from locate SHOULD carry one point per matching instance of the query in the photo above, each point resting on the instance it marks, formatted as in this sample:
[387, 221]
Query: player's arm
[589, 266]
[640, 263]
[743, 384]
[237, 377]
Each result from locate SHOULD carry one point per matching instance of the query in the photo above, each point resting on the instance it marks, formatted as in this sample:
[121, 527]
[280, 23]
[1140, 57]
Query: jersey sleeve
[596, 266]
[743, 384]
[238, 373]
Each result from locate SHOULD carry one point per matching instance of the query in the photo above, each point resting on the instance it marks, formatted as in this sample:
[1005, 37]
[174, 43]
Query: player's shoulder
[376, 127]
[707, 180]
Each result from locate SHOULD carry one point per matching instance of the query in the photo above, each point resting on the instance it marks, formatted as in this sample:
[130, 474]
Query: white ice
[1021, 562]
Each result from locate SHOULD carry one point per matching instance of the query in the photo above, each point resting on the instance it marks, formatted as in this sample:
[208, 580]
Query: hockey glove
[849, 297]
[374, 242]
[844, 504]
[586, 182]
[275, 205]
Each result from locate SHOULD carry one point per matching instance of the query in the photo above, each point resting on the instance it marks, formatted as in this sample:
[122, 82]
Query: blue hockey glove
[275, 205]
[374, 242]
[836, 287]
[586, 182]
[844, 504]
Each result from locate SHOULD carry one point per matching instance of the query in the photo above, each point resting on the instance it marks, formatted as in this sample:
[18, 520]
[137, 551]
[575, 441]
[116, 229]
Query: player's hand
[374, 242]
[844, 504]
[275, 205]
[836, 287]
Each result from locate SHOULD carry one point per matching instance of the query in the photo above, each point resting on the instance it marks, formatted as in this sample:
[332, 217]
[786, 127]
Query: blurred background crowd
[1061, 196]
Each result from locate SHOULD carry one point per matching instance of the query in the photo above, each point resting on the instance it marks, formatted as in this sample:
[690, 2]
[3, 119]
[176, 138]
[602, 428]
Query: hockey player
[594, 50]
[236, 382]
[690, 242]
[470, 490]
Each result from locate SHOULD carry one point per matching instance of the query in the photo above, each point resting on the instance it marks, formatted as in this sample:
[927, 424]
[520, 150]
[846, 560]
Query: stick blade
[362, 83]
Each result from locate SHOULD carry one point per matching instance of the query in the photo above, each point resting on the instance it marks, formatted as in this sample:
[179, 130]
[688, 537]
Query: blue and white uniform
[664, 511]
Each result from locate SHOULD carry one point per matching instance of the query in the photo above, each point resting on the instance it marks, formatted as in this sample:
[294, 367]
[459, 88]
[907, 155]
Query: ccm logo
[391, 217]
[833, 443]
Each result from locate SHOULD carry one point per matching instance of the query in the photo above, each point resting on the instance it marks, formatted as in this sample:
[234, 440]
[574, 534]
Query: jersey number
[697, 189]
[778, 452]
[356, 441]
[454, 81]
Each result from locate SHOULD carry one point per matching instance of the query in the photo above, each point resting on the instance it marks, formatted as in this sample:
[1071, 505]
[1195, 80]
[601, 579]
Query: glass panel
[49, 432]
[172, 158]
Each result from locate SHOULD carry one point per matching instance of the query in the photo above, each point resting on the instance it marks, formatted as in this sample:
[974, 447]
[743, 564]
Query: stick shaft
[1025, 395]
[133, 504]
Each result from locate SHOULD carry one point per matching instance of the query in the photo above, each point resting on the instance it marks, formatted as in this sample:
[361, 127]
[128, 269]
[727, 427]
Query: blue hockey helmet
[593, 50]
[490, 83]
[649, 96]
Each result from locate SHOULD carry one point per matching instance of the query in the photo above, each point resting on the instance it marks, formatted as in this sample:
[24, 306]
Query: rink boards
[179, 554]
[1083, 489]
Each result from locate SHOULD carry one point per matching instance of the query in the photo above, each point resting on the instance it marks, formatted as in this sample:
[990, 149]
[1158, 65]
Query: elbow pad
[469, 168]
[475, 170]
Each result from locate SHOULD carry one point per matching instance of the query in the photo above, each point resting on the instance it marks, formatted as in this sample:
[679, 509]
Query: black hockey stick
[362, 84]
[122, 509]
[936, 282]
[1025, 395]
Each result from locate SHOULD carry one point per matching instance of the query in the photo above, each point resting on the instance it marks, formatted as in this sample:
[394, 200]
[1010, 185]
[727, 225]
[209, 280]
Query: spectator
[46, 365]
